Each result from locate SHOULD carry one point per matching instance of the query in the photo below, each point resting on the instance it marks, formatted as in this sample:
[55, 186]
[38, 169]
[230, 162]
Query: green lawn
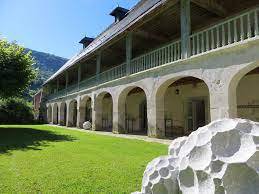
[44, 159]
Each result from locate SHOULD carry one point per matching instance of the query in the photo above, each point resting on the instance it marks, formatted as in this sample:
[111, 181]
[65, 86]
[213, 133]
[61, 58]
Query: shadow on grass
[28, 139]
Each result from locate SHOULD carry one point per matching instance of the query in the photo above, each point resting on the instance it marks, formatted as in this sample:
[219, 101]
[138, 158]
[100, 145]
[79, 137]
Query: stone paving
[126, 136]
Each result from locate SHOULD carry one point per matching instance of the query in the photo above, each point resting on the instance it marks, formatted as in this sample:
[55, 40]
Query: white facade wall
[220, 69]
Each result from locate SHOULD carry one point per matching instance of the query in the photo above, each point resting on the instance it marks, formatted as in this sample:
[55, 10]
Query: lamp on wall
[177, 91]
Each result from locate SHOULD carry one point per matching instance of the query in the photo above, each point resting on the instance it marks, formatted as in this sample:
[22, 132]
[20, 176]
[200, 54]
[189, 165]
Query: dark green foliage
[16, 69]
[15, 111]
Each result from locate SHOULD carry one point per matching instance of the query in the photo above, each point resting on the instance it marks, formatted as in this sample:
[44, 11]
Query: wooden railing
[72, 89]
[160, 56]
[87, 83]
[112, 74]
[235, 29]
[232, 30]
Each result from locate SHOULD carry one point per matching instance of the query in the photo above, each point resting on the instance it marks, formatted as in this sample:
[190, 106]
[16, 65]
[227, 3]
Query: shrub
[15, 111]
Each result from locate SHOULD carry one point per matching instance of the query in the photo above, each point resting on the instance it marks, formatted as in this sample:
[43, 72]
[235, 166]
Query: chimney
[119, 13]
[86, 41]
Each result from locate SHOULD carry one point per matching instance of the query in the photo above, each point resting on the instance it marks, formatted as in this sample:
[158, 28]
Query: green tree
[15, 111]
[16, 69]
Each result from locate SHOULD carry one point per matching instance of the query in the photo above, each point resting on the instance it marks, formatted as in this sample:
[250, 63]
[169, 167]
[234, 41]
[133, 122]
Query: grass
[45, 159]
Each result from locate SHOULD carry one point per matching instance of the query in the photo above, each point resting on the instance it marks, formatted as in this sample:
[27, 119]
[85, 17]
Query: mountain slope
[47, 64]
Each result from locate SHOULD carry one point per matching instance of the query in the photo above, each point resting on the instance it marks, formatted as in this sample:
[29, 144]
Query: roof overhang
[134, 16]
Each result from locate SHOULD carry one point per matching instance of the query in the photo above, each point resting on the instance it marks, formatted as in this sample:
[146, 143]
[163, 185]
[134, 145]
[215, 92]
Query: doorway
[196, 114]
[143, 116]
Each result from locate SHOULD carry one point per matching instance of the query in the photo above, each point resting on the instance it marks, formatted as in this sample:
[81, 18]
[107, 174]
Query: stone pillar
[62, 115]
[96, 117]
[49, 113]
[222, 99]
[68, 120]
[115, 117]
[53, 115]
[128, 52]
[155, 114]
[185, 28]
[78, 118]
[47, 107]
[81, 115]
[119, 123]
[59, 114]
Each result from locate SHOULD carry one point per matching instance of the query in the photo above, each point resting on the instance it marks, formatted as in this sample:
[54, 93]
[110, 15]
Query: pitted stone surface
[87, 125]
[220, 158]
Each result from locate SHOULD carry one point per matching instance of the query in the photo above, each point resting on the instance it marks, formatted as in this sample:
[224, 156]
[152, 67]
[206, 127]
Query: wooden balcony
[232, 30]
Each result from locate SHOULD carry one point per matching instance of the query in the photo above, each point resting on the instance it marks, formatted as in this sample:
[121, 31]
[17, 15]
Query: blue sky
[55, 26]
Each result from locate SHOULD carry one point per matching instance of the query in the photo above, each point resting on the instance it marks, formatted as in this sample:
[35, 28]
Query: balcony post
[57, 85]
[66, 74]
[78, 76]
[185, 28]
[128, 52]
[98, 66]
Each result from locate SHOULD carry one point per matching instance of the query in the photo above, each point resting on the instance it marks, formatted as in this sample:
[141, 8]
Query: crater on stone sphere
[227, 164]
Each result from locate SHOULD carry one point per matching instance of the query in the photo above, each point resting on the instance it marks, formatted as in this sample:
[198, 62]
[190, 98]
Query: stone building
[163, 69]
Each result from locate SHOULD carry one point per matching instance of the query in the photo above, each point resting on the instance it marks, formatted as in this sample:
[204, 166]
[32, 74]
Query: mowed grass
[45, 159]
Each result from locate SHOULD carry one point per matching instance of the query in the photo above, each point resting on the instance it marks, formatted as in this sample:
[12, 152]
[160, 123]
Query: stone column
[52, 115]
[96, 113]
[78, 112]
[47, 108]
[185, 28]
[155, 114]
[68, 120]
[115, 117]
[118, 115]
[222, 96]
[81, 115]
[59, 114]
[49, 116]
[62, 116]
[222, 105]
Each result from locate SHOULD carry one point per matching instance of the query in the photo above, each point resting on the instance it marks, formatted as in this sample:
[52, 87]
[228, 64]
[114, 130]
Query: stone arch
[72, 113]
[104, 111]
[49, 109]
[55, 113]
[243, 96]
[85, 110]
[178, 101]
[132, 109]
[63, 114]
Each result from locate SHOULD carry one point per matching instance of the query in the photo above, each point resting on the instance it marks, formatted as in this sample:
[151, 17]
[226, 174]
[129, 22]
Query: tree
[15, 111]
[16, 69]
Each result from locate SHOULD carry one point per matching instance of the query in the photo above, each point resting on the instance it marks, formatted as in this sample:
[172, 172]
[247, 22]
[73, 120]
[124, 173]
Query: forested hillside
[47, 64]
